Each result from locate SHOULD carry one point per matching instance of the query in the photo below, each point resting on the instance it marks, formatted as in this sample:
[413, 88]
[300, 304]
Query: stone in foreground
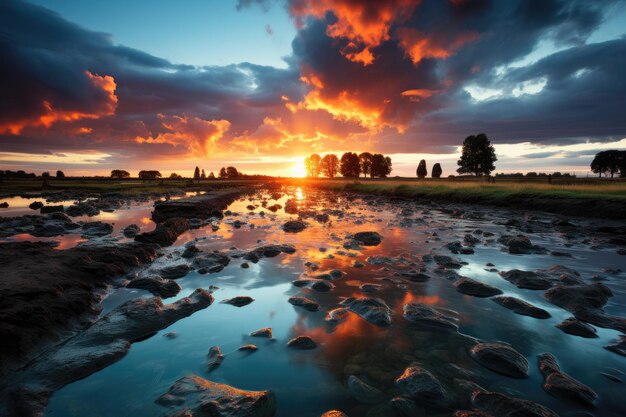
[476, 288]
[500, 405]
[363, 392]
[427, 318]
[419, 384]
[204, 398]
[522, 307]
[562, 385]
[374, 310]
[501, 358]
[302, 342]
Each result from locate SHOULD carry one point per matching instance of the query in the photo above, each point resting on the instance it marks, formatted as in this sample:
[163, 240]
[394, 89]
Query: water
[308, 383]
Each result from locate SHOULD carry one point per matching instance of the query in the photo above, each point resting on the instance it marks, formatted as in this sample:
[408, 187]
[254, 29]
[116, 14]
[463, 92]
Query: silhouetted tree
[478, 156]
[120, 173]
[211, 176]
[330, 165]
[421, 169]
[175, 176]
[609, 162]
[436, 172]
[45, 174]
[531, 174]
[365, 160]
[222, 172]
[196, 174]
[231, 172]
[60, 174]
[312, 165]
[381, 166]
[350, 166]
[149, 175]
[203, 175]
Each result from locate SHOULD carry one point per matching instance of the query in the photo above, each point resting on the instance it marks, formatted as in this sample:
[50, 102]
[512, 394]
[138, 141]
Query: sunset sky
[90, 86]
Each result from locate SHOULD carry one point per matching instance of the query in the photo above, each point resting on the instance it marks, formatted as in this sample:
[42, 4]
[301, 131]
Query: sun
[298, 170]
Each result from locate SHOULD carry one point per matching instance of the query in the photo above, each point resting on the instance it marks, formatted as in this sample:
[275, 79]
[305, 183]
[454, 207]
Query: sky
[88, 87]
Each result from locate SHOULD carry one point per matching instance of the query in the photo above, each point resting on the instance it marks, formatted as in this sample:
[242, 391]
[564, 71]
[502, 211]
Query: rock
[190, 251]
[576, 297]
[163, 288]
[239, 301]
[35, 205]
[174, 271]
[215, 357]
[424, 317]
[501, 358]
[294, 226]
[576, 327]
[131, 230]
[521, 307]
[51, 209]
[368, 238]
[618, 346]
[465, 413]
[501, 405]
[199, 207]
[368, 287]
[520, 245]
[405, 407]
[264, 332]
[476, 288]
[210, 263]
[334, 413]
[415, 276]
[562, 385]
[291, 206]
[97, 229]
[248, 348]
[420, 385]
[527, 279]
[245, 265]
[336, 316]
[82, 209]
[363, 392]
[302, 342]
[166, 233]
[268, 251]
[374, 310]
[171, 335]
[304, 302]
[202, 397]
[447, 262]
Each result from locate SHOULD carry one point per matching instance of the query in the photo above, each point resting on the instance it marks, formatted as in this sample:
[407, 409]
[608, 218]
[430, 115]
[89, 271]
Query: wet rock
[415, 276]
[562, 385]
[374, 310]
[336, 316]
[291, 206]
[97, 229]
[245, 265]
[447, 261]
[521, 307]
[304, 302]
[174, 271]
[201, 397]
[274, 208]
[198, 207]
[210, 263]
[268, 251]
[264, 332]
[190, 251]
[527, 279]
[166, 233]
[51, 209]
[215, 357]
[466, 413]
[427, 318]
[618, 346]
[367, 287]
[576, 297]
[239, 301]
[419, 384]
[611, 377]
[368, 238]
[576, 327]
[35, 205]
[131, 230]
[248, 348]
[363, 392]
[476, 288]
[171, 335]
[501, 358]
[501, 405]
[163, 288]
[405, 407]
[302, 342]
[82, 209]
[294, 226]
[334, 413]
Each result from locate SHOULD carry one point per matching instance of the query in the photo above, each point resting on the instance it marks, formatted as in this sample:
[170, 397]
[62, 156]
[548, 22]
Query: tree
[196, 174]
[222, 172]
[231, 172]
[436, 172]
[60, 174]
[365, 160]
[609, 162]
[381, 165]
[350, 165]
[421, 169]
[211, 176]
[203, 175]
[149, 175]
[330, 165]
[312, 165]
[477, 157]
[175, 176]
[120, 173]
[45, 174]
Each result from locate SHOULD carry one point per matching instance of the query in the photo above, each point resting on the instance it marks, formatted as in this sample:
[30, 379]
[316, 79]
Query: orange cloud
[418, 45]
[364, 24]
[51, 114]
[201, 137]
[418, 94]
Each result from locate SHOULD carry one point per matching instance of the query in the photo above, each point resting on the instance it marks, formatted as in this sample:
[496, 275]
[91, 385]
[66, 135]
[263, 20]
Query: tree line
[351, 165]
[609, 163]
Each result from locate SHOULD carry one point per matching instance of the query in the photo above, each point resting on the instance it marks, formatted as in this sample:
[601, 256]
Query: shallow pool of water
[308, 383]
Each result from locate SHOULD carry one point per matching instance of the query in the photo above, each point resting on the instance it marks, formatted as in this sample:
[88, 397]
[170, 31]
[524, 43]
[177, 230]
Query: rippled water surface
[308, 383]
